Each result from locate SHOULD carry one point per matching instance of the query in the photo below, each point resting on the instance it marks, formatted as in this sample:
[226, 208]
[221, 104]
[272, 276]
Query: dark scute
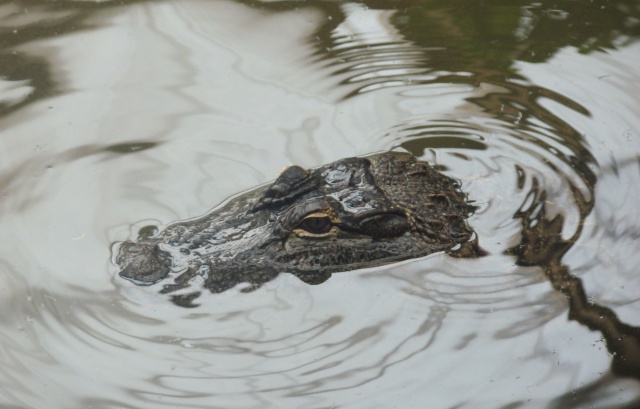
[385, 226]
[292, 182]
[288, 179]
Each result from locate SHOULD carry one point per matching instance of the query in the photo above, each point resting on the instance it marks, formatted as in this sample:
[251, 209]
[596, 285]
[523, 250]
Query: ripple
[204, 100]
[367, 53]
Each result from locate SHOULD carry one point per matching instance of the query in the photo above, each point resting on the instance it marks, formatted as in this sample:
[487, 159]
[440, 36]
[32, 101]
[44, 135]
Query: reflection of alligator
[349, 214]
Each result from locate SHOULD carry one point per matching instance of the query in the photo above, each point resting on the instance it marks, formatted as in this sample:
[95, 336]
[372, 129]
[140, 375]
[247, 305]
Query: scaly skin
[349, 214]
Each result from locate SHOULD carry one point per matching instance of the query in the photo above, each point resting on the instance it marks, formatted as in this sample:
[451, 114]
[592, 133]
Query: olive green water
[117, 115]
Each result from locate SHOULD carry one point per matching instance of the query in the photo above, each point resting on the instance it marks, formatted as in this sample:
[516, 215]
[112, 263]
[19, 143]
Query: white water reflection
[168, 108]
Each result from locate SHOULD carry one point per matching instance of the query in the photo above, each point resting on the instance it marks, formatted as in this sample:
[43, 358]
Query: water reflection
[26, 78]
[532, 105]
[371, 45]
[432, 46]
[542, 245]
[422, 45]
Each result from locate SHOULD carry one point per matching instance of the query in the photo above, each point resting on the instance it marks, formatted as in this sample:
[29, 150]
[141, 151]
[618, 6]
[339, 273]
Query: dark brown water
[116, 115]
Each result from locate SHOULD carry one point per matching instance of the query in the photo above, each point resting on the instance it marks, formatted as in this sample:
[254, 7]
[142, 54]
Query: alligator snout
[143, 263]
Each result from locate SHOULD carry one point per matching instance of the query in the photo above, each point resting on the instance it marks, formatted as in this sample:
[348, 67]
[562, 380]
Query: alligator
[350, 214]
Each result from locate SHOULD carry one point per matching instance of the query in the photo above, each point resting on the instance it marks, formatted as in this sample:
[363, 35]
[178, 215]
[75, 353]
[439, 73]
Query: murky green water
[114, 116]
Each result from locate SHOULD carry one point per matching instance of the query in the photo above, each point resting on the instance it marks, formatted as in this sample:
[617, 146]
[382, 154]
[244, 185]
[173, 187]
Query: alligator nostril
[147, 231]
[143, 263]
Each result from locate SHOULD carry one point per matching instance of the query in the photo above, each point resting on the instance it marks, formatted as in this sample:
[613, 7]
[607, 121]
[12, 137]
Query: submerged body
[349, 214]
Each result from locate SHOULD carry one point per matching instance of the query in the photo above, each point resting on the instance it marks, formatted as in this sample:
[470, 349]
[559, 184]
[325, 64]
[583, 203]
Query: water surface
[118, 115]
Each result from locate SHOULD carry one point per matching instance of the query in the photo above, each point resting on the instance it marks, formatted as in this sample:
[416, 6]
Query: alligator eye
[316, 225]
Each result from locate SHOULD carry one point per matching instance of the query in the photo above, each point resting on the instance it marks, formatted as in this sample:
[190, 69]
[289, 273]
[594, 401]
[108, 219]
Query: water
[119, 115]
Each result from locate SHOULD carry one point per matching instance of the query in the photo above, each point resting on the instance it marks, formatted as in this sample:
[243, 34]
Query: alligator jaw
[143, 263]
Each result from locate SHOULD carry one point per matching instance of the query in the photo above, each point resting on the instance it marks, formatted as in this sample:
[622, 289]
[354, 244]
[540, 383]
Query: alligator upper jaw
[143, 263]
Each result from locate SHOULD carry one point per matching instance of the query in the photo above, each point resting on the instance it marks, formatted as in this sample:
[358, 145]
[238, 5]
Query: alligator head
[349, 214]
